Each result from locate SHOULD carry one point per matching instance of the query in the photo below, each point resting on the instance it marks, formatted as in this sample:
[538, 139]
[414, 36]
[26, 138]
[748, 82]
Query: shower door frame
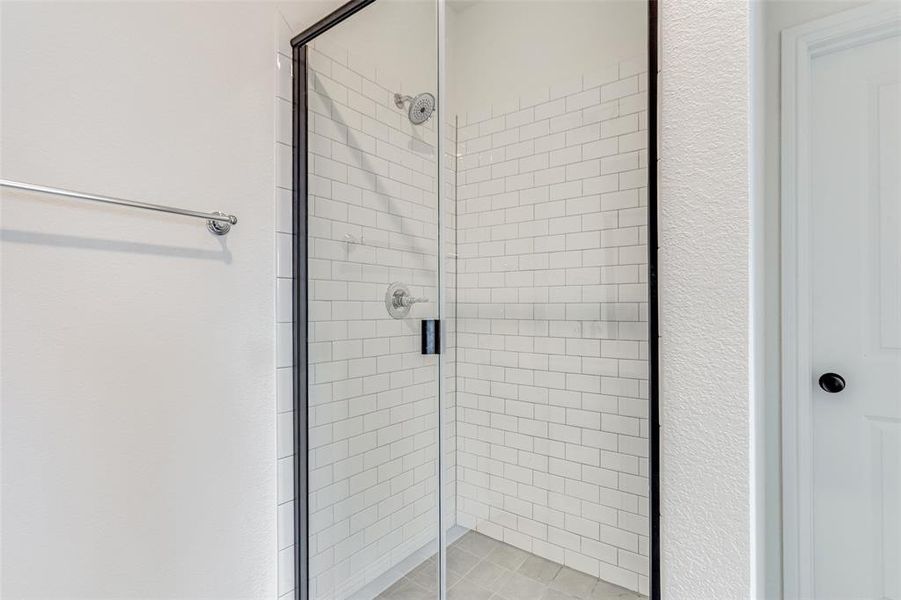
[300, 298]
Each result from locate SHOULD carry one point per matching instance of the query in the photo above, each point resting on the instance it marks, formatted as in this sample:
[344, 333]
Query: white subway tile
[619, 89]
[581, 100]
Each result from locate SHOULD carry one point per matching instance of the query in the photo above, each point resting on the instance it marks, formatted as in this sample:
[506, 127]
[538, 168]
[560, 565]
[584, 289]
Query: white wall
[399, 38]
[138, 430]
[705, 209]
[499, 50]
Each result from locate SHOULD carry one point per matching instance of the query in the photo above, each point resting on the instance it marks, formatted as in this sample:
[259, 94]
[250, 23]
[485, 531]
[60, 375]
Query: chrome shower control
[399, 301]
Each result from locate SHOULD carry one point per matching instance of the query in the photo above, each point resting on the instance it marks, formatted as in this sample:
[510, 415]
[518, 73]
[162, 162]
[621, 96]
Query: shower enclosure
[474, 374]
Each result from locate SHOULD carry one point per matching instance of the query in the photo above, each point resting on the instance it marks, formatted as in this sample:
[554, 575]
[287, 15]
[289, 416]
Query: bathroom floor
[482, 568]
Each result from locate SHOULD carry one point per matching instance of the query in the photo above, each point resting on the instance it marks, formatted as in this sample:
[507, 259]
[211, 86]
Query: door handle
[832, 383]
[431, 336]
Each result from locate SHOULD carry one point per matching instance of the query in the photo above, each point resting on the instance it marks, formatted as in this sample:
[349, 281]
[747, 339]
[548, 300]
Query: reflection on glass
[373, 209]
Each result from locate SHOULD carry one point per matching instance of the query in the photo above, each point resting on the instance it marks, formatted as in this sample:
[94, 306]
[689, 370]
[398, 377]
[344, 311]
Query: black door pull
[832, 382]
[431, 336]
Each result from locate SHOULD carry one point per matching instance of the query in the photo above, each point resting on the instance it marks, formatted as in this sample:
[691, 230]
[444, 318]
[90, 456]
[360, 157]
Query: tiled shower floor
[482, 568]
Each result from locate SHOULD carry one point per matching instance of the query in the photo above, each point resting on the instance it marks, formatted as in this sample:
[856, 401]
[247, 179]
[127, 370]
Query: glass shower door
[372, 276]
[549, 300]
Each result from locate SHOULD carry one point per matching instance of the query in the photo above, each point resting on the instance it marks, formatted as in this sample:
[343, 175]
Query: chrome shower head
[421, 106]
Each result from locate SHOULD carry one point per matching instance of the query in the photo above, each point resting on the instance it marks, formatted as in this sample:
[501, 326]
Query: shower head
[421, 106]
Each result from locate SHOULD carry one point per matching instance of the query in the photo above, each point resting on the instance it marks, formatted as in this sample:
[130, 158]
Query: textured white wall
[704, 285]
[138, 350]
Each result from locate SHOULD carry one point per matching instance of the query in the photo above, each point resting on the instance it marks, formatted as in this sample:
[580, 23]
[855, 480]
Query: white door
[855, 319]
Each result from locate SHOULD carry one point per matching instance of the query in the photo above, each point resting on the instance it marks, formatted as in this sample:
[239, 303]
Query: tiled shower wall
[552, 323]
[373, 396]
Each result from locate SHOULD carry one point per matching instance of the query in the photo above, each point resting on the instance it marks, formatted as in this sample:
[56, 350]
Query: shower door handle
[431, 336]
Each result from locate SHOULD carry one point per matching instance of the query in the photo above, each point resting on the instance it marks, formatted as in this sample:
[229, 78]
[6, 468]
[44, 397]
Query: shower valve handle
[403, 300]
[399, 300]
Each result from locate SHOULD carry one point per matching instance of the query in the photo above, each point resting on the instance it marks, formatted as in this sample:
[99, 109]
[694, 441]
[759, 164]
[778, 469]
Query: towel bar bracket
[219, 227]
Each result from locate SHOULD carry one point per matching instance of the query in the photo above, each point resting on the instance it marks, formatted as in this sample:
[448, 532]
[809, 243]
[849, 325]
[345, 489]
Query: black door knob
[832, 382]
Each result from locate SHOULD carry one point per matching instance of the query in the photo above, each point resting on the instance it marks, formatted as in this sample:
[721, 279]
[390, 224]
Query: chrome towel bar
[217, 222]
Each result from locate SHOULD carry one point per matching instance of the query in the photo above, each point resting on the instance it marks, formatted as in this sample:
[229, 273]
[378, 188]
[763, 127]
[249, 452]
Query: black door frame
[300, 299]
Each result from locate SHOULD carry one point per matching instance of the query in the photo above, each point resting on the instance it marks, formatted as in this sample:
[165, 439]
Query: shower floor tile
[482, 568]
